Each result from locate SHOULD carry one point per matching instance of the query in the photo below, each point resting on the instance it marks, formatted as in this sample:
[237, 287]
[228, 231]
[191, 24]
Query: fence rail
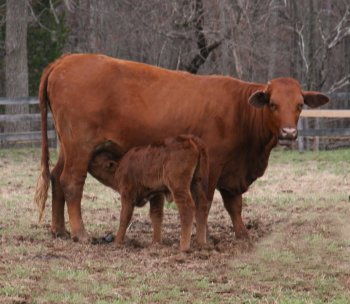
[26, 136]
[326, 113]
[34, 136]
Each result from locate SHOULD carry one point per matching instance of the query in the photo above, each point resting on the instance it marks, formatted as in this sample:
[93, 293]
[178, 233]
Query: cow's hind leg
[233, 205]
[156, 215]
[186, 208]
[125, 218]
[58, 228]
[72, 182]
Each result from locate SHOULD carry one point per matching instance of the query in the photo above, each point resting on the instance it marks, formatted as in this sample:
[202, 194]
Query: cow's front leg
[233, 205]
[156, 215]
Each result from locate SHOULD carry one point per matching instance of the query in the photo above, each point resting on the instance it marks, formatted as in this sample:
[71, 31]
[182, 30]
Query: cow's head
[282, 101]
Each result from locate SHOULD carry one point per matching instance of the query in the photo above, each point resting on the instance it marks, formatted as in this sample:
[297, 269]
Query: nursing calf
[176, 166]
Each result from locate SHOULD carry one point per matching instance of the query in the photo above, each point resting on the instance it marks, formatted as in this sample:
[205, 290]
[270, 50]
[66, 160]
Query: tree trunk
[274, 27]
[202, 43]
[16, 65]
[225, 49]
[16, 49]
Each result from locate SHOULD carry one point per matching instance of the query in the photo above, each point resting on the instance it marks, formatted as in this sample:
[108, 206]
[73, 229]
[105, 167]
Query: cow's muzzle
[287, 134]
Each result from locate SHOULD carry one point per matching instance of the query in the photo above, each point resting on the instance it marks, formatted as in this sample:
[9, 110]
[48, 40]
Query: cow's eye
[300, 106]
[273, 106]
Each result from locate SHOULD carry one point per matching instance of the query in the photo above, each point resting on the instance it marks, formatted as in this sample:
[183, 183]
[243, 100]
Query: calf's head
[282, 101]
[103, 167]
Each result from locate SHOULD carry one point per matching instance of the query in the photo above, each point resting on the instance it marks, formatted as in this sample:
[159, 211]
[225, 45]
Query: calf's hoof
[242, 234]
[185, 248]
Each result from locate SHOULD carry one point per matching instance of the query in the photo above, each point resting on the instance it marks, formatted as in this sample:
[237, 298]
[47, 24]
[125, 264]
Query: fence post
[300, 138]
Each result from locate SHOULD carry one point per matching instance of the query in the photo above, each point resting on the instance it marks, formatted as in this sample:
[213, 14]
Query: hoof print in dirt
[134, 243]
[252, 224]
[107, 239]
[180, 258]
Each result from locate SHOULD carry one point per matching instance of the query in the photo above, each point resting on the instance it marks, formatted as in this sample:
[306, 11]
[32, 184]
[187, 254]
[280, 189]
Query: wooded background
[254, 40]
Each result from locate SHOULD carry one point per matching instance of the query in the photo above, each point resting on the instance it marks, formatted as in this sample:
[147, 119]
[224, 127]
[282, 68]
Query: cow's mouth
[285, 142]
[287, 136]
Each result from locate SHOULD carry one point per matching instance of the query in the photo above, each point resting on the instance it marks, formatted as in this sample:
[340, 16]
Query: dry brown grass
[298, 215]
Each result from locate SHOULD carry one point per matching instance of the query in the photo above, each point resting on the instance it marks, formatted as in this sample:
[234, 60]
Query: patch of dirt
[221, 247]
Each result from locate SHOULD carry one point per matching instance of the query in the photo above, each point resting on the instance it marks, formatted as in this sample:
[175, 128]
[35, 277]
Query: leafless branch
[204, 48]
[301, 45]
[57, 20]
[341, 31]
[69, 4]
[340, 83]
[37, 19]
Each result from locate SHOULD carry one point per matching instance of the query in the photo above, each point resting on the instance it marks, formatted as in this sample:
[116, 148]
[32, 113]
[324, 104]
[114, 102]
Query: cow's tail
[43, 182]
[202, 170]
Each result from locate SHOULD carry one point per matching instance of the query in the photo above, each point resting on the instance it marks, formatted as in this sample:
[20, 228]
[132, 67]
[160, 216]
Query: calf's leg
[186, 208]
[156, 215]
[202, 211]
[125, 217]
[233, 205]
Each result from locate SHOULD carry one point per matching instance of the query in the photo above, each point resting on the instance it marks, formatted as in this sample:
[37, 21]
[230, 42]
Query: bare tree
[16, 49]
[274, 28]
[319, 43]
[16, 65]
[202, 43]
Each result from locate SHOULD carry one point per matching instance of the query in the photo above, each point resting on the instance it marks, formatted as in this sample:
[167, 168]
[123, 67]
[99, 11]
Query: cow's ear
[259, 99]
[315, 99]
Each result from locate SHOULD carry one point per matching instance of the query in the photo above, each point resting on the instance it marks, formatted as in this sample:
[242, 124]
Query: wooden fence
[32, 136]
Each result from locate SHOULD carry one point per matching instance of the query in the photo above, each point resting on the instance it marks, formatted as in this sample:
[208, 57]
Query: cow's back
[135, 104]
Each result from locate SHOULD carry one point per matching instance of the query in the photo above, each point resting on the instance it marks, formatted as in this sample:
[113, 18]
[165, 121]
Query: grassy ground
[298, 216]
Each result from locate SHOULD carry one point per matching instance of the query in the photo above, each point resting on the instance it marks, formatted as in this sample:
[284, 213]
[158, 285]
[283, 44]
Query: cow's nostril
[289, 133]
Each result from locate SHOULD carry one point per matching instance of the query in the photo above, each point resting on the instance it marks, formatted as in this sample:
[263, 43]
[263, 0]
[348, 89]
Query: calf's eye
[300, 106]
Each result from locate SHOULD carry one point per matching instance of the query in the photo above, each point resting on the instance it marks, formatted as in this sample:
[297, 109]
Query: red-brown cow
[100, 102]
[178, 166]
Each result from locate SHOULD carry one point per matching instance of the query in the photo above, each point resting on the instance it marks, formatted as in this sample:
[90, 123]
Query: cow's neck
[259, 140]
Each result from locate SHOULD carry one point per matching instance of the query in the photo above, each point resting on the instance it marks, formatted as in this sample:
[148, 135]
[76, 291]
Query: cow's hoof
[81, 238]
[118, 244]
[203, 246]
[64, 234]
[156, 241]
[186, 249]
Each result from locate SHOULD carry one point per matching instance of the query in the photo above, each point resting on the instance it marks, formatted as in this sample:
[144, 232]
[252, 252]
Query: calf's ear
[259, 99]
[110, 165]
[315, 99]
